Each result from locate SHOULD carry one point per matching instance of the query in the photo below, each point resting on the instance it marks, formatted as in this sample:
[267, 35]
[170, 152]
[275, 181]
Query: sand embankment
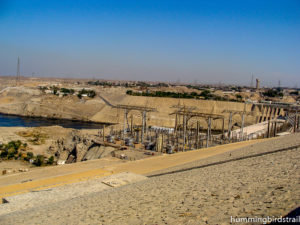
[32, 102]
[26, 101]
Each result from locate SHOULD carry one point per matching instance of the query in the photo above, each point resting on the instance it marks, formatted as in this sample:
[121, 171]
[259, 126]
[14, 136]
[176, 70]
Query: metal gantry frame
[181, 108]
[188, 113]
[231, 114]
[143, 109]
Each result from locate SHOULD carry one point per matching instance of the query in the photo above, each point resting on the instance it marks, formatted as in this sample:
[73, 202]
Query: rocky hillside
[33, 102]
[28, 101]
[78, 147]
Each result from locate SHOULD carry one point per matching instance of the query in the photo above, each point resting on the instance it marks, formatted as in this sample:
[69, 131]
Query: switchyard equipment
[143, 109]
[188, 114]
[231, 114]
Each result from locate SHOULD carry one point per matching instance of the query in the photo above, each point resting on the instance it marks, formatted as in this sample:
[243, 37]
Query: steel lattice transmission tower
[18, 71]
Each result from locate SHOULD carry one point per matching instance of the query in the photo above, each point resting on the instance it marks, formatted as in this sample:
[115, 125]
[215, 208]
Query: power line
[18, 71]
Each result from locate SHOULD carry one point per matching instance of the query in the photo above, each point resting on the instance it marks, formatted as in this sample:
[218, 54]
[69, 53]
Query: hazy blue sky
[207, 41]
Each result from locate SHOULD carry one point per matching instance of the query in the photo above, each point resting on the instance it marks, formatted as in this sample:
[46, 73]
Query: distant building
[257, 83]
[229, 92]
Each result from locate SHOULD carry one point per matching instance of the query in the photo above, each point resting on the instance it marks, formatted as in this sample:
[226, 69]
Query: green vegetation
[89, 93]
[38, 138]
[129, 92]
[14, 149]
[35, 137]
[50, 160]
[126, 84]
[39, 160]
[99, 83]
[273, 93]
[161, 85]
[67, 91]
[43, 89]
[238, 96]
[29, 156]
[10, 150]
[167, 94]
[294, 93]
[54, 90]
[205, 94]
[196, 87]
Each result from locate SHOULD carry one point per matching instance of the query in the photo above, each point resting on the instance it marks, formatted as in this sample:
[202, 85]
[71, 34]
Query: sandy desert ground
[261, 186]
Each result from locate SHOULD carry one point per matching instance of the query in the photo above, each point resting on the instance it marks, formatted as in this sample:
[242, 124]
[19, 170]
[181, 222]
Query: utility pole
[295, 123]
[243, 120]
[197, 135]
[18, 72]
[184, 131]
[131, 125]
[125, 121]
[231, 114]
[268, 131]
[229, 126]
[127, 109]
[103, 138]
[187, 115]
[208, 137]
[143, 125]
[242, 128]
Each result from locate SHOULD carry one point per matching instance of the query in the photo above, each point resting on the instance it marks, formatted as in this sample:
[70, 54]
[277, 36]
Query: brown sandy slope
[32, 102]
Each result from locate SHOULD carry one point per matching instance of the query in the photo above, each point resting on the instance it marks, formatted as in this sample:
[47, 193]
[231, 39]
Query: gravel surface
[257, 148]
[46, 196]
[267, 185]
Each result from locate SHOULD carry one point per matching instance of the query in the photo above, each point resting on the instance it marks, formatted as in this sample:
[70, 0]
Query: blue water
[20, 121]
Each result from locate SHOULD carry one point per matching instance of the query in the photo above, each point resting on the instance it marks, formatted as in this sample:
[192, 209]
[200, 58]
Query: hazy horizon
[204, 41]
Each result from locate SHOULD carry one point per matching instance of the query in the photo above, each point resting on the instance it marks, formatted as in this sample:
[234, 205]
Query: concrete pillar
[271, 128]
[279, 111]
[276, 113]
[159, 143]
[262, 114]
[242, 128]
[268, 131]
[266, 114]
[275, 128]
[270, 113]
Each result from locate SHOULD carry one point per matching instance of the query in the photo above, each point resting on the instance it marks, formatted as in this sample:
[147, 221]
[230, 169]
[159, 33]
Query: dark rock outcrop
[78, 147]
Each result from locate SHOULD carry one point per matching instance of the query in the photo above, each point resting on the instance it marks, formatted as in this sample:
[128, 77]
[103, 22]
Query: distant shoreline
[67, 123]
